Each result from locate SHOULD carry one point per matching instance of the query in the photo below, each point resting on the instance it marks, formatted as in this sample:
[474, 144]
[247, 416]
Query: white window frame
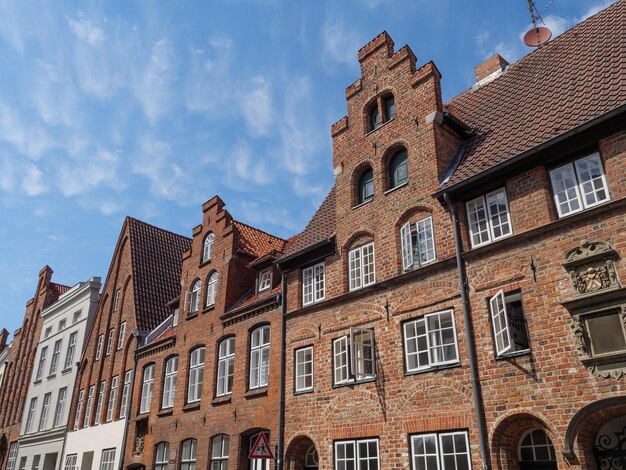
[225, 367]
[313, 284]
[116, 301]
[79, 407]
[303, 369]
[219, 452]
[161, 456]
[32, 409]
[207, 247]
[499, 319]
[482, 204]
[36, 462]
[188, 461]
[42, 363]
[125, 393]
[120, 336]
[60, 408]
[211, 289]
[147, 384]
[45, 409]
[350, 356]
[439, 455]
[196, 374]
[12, 455]
[432, 363]
[360, 273]
[99, 347]
[533, 446]
[89, 406]
[424, 232]
[56, 354]
[70, 462]
[169, 382]
[71, 350]
[99, 402]
[358, 455]
[62, 324]
[260, 357]
[110, 341]
[107, 461]
[192, 298]
[112, 397]
[265, 279]
[579, 195]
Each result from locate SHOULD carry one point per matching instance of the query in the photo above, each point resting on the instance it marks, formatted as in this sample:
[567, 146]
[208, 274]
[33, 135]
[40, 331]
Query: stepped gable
[56, 291]
[255, 242]
[320, 227]
[564, 83]
[157, 261]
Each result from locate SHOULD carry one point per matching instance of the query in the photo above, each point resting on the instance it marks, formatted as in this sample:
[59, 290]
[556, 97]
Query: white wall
[95, 439]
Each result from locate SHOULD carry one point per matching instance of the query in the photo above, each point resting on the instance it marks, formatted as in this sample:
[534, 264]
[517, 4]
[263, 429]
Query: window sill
[513, 355]
[491, 242]
[166, 412]
[303, 392]
[204, 262]
[353, 383]
[380, 126]
[66, 370]
[192, 406]
[585, 209]
[37, 382]
[256, 392]
[208, 308]
[142, 416]
[389, 191]
[51, 376]
[362, 287]
[363, 203]
[222, 400]
[433, 369]
[192, 315]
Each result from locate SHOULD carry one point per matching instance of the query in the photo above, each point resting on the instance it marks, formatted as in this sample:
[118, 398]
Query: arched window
[188, 454]
[398, 169]
[374, 118]
[196, 375]
[366, 186]
[311, 460]
[389, 107]
[169, 382]
[146, 389]
[207, 248]
[225, 367]
[194, 298]
[211, 290]
[536, 447]
[161, 456]
[219, 453]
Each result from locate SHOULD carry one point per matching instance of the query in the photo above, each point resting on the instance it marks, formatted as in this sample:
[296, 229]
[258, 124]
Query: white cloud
[256, 106]
[248, 168]
[221, 42]
[54, 97]
[28, 138]
[89, 172]
[17, 174]
[595, 8]
[261, 214]
[153, 85]
[339, 43]
[86, 30]
[33, 180]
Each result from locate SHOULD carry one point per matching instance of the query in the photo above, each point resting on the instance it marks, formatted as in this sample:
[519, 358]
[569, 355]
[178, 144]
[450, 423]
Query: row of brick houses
[455, 302]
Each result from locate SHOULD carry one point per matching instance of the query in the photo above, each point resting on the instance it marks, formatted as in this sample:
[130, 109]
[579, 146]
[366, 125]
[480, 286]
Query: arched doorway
[536, 451]
[302, 454]
[610, 445]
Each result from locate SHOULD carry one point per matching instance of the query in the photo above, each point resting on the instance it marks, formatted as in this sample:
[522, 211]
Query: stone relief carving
[579, 337]
[591, 267]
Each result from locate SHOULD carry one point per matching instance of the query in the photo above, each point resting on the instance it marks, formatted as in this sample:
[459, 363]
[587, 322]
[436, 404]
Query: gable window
[225, 367]
[398, 169]
[42, 363]
[107, 461]
[110, 341]
[219, 453]
[193, 298]
[31, 415]
[304, 369]
[579, 185]
[211, 290]
[188, 454]
[207, 248]
[125, 393]
[259, 357]
[374, 118]
[509, 324]
[418, 243]
[99, 402]
[60, 408]
[196, 375]
[366, 187]
[389, 105]
[265, 279]
[112, 396]
[354, 356]
[120, 336]
[99, 347]
[169, 382]
[79, 407]
[361, 454]
[441, 451]
[161, 456]
[430, 341]
[313, 284]
[71, 349]
[488, 218]
[89, 405]
[56, 352]
[361, 266]
[146, 389]
[116, 300]
[44, 411]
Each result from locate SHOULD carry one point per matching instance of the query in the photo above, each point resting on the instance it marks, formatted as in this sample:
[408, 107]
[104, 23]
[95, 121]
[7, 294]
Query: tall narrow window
[31, 415]
[110, 341]
[79, 408]
[207, 248]
[361, 454]
[99, 347]
[361, 266]
[398, 169]
[211, 290]
[42, 363]
[62, 324]
[90, 395]
[313, 287]
[169, 382]
[120, 336]
[99, 402]
[76, 317]
[70, 462]
[188, 454]
[304, 369]
[161, 456]
[36, 462]
[225, 367]
[341, 360]
[260, 357]
[366, 186]
[146, 389]
[60, 408]
[194, 297]
[116, 300]
[107, 461]
[418, 243]
[509, 324]
[219, 453]
[125, 394]
[488, 218]
[430, 341]
[56, 352]
[374, 118]
[45, 409]
[112, 396]
[389, 106]
[12, 456]
[71, 350]
[196, 375]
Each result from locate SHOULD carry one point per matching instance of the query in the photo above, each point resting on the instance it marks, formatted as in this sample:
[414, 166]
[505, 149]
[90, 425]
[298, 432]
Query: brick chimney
[4, 334]
[494, 64]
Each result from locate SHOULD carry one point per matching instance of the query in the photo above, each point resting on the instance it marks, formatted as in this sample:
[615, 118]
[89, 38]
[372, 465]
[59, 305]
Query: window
[445, 451]
[418, 243]
[430, 341]
[116, 301]
[398, 169]
[70, 462]
[193, 299]
[42, 363]
[225, 367]
[169, 382]
[207, 248]
[366, 186]
[44, 411]
[99, 402]
[60, 408]
[23, 463]
[265, 279]
[47, 332]
[79, 407]
[311, 461]
[219, 453]
[605, 333]
[313, 284]
[260, 357]
[188, 455]
[211, 290]
[257, 464]
[354, 356]
[36, 461]
[112, 396]
[31, 415]
[120, 336]
[12, 456]
[99, 347]
[488, 218]
[361, 266]
[304, 369]
[509, 325]
[89, 405]
[196, 375]
[175, 317]
[536, 446]
[579, 185]
[107, 461]
[56, 352]
[76, 317]
[125, 393]
[62, 324]
[374, 118]
[389, 106]
[71, 349]
[361, 454]
[161, 456]
[110, 341]
[146, 389]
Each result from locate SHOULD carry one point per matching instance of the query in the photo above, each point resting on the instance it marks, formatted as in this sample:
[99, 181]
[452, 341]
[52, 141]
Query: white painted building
[44, 422]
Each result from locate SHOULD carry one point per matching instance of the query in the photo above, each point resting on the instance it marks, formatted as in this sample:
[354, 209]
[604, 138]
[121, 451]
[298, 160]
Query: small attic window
[265, 279]
[374, 118]
[366, 186]
[389, 107]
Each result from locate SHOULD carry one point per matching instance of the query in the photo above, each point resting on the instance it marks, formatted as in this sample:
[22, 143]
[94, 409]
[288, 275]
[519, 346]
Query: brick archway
[296, 452]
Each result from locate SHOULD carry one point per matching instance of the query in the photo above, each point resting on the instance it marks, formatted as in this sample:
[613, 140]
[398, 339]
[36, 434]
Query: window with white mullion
[79, 407]
[424, 448]
[500, 323]
[362, 353]
[319, 283]
[454, 450]
[430, 341]
[498, 209]
[70, 462]
[313, 285]
[259, 357]
[99, 402]
[488, 218]
[56, 352]
[362, 269]
[304, 369]
[225, 367]
[42, 363]
[112, 396]
[196, 375]
[188, 454]
[146, 389]
[31, 415]
[307, 286]
[345, 455]
[71, 349]
[367, 454]
[161, 458]
[418, 243]
[44, 411]
[12, 456]
[211, 291]
[169, 382]
[89, 406]
[125, 393]
[361, 454]
[219, 453]
[592, 180]
[354, 260]
[107, 461]
[477, 219]
[341, 360]
[60, 408]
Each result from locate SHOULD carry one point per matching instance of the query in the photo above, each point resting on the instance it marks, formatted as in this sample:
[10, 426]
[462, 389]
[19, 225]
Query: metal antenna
[538, 34]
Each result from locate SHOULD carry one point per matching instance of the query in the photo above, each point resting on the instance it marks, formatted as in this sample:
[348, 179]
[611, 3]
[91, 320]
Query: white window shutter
[499, 318]
[407, 246]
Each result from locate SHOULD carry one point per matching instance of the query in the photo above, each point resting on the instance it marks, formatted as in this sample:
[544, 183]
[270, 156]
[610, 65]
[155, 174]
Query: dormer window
[389, 106]
[265, 279]
[366, 186]
[398, 169]
[207, 248]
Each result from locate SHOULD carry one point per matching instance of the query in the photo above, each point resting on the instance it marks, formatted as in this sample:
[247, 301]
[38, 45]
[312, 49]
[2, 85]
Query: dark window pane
[398, 173]
[390, 108]
[366, 186]
[606, 334]
[374, 119]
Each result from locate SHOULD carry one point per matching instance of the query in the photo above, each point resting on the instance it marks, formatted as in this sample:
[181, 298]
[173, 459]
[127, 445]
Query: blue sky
[148, 109]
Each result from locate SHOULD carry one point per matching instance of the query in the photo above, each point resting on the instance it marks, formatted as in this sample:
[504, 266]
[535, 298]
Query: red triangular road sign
[261, 448]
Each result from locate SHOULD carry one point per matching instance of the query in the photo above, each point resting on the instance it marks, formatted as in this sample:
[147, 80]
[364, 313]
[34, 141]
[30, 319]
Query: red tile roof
[320, 227]
[564, 83]
[256, 242]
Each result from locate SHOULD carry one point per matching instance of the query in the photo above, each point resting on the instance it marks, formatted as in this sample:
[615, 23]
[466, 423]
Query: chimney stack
[4, 335]
[496, 64]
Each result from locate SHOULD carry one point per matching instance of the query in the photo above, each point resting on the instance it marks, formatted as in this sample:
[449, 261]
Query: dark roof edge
[304, 251]
[250, 307]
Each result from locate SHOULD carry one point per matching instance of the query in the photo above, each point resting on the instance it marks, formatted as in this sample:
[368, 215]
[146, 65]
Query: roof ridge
[134, 219]
[259, 230]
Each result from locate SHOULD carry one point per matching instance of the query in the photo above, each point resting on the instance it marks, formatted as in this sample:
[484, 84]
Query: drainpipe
[471, 347]
[283, 362]
[130, 401]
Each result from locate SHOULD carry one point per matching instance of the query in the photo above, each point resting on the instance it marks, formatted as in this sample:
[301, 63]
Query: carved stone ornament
[591, 268]
[579, 337]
